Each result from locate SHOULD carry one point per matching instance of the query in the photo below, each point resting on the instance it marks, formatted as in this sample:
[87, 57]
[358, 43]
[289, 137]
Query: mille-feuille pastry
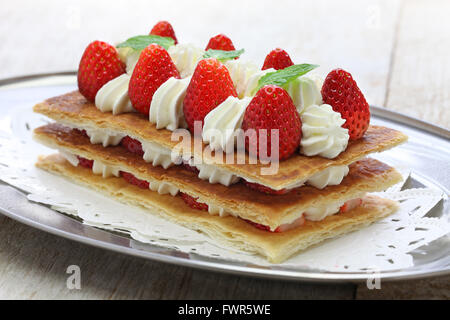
[269, 161]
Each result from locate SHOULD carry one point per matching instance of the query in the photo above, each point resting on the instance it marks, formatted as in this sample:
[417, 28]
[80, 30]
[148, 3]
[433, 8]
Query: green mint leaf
[222, 55]
[282, 77]
[141, 42]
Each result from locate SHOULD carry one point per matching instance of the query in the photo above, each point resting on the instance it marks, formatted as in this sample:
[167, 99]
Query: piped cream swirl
[322, 133]
[304, 92]
[245, 76]
[166, 109]
[185, 57]
[331, 176]
[221, 123]
[130, 57]
[113, 96]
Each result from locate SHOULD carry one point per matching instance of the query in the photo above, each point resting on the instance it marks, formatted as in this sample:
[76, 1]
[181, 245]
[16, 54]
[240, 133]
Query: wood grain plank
[33, 266]
[420, 80]
[433, 288]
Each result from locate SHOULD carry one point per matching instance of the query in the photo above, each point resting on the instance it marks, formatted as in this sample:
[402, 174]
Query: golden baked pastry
[230, 230]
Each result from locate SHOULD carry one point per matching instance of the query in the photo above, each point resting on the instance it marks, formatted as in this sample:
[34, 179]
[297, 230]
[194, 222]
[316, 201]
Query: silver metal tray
[427, 154]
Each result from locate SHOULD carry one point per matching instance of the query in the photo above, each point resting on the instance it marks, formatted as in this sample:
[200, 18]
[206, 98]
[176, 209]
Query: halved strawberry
[341, 92]
[86, 163]
[272, 108]
[193, 203]
[130, 178]
[164, 29]
[220, 42]
[153, 68]
[99, 64]
[132, 145]
[277, 59]
[210, 85]
[264, 189]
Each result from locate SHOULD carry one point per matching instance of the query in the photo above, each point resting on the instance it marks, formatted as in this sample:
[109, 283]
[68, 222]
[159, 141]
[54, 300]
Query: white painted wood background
[398, 51]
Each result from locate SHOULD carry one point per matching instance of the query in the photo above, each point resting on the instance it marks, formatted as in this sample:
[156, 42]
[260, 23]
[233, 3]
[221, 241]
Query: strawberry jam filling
[187, 166]
[82, 132]
[130, 178]
[193, 203]
[132, 145]
[86, 163]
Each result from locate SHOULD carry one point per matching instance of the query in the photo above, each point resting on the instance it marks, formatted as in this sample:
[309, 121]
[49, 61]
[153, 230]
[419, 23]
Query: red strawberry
[130, 178]
[341, 92]
[210, 86]
[277, 59]
[132, 145]
[220, 42]
[164, 29]
[264, 189]
[272, 108]
[99, 64]
[193, 203]
[153, 68]
[86, 163]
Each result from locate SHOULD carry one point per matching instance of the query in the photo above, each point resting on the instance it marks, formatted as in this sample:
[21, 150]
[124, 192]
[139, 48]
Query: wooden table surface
[398, 52]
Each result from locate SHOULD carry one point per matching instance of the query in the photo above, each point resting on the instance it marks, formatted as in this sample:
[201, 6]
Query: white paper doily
[385, 245]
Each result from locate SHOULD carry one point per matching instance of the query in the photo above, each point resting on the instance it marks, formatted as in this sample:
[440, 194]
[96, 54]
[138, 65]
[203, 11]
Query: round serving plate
[427, 155]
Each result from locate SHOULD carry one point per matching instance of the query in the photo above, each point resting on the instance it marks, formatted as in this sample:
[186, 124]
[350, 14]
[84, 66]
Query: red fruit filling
[130, 178]
[193, 203]
[284, 227]
[86, 163]
[187, 166]
[82, 132]
[132, 145]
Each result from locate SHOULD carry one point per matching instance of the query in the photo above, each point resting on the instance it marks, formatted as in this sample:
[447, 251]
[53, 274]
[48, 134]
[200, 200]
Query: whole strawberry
[210, 85]
[220, 42]
[277, 59]
[164, 29]
[341, 92]
[153, 68]
[272, 108]
[99, 64]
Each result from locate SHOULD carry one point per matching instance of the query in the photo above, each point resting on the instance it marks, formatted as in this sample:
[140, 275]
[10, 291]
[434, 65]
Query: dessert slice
[230, 230]
[124, 134]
